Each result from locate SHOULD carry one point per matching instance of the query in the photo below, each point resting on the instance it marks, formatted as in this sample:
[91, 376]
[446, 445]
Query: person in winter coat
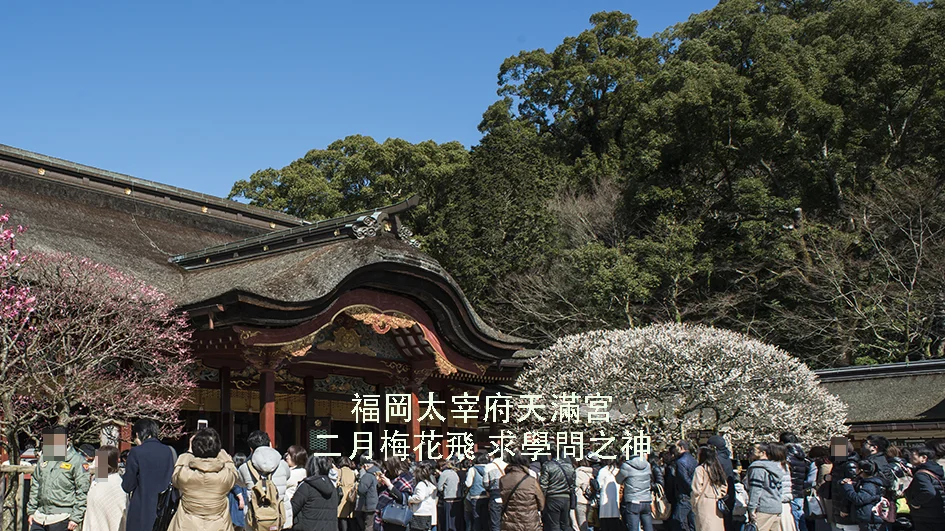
[708, 487]
[778, 453]
[824, 466]
[557, 483]
[267, 462]
[609, 512]
[148, 470]
[684, 468]
[204, 476]
[844, 468]
[874, 449]
[725, 459]
[522, 498]
[348, 481]
[397, 486]
[296, 458]
[864, 494]
[366, 504]
[423, 501]
[107, 503]
[803, 475]
[925, 493]
[315, 502]
[583, 475]
[477, 498]
[764, 490]
[451, 504]
[635, 476]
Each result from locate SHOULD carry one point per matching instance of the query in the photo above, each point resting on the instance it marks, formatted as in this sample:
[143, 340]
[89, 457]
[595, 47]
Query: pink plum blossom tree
[85, 345]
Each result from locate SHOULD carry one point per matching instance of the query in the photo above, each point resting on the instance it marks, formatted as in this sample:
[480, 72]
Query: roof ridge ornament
[368, 226]
[404, 233]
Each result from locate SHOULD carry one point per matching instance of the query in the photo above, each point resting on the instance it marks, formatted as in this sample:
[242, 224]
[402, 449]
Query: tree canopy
[768, 167]
[722, 381]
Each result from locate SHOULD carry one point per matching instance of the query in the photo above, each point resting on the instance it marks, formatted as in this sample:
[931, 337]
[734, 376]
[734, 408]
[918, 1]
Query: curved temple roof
[211, 252]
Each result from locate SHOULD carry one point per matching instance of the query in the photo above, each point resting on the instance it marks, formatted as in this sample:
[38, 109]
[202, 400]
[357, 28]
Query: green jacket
[59, 487]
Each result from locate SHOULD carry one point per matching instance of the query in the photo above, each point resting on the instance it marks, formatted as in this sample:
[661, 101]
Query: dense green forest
[769, 167]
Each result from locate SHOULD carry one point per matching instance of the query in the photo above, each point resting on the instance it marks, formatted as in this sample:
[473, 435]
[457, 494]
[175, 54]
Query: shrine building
[292, 317]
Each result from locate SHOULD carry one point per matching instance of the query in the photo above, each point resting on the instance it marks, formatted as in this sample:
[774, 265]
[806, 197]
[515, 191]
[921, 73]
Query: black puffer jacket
[842, 504]
[925, 495]
[864, 497]
[315, 505]
[800, 468]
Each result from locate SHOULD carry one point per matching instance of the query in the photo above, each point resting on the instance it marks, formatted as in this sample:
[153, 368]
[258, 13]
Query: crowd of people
[774, 486]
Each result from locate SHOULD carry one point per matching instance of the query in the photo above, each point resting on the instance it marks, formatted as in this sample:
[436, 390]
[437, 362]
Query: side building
[292, 317]
[904, 402]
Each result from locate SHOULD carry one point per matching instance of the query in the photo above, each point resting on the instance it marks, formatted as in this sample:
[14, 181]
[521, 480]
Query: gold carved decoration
[396, 368]
[264, 359]
[383, 322]
[246, 334]
[446, 368]
[347, 341]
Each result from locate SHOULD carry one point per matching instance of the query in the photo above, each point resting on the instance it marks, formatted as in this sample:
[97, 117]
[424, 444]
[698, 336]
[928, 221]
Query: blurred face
[838, 448]
[100, 465]
[917, 459]
[54, 446]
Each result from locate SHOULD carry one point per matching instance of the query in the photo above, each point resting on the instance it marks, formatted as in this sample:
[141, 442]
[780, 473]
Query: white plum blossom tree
[671, 380]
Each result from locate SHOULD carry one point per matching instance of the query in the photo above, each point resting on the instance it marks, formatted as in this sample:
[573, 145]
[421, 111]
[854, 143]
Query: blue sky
[200, 94]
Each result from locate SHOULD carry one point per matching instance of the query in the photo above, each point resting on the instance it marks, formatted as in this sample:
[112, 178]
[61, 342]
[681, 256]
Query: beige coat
[203, 484]
[347, 480]
[705, 499]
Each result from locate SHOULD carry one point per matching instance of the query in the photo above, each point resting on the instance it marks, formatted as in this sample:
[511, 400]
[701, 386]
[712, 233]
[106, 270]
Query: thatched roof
[201, 250]
[898, 392]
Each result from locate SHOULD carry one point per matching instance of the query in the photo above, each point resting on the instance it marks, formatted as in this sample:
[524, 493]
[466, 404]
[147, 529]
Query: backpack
[894, 484]
[592, 492]
[265, 511]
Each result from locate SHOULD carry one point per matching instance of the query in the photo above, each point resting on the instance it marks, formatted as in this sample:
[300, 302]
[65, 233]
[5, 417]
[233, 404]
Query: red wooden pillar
[267, 403]
[413, 427]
